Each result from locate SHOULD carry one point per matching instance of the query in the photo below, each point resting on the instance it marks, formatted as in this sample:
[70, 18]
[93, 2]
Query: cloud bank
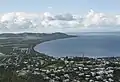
[47, 22]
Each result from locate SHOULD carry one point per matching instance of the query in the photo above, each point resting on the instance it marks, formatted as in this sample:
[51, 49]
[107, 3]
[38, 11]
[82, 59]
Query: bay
[89, 45]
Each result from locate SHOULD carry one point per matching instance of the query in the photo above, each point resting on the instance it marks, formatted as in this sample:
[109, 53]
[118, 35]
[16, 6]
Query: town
[23, 64]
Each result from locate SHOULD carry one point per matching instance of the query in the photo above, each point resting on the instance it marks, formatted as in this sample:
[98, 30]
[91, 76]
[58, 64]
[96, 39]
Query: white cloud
[101, 20]
[66, 17]
[47, 22]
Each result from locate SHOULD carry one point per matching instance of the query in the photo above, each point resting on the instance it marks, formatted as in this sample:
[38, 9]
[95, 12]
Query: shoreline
[50, 41]
[36, 49]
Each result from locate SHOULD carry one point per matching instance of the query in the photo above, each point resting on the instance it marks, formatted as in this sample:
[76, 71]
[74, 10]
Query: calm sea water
[92, 46]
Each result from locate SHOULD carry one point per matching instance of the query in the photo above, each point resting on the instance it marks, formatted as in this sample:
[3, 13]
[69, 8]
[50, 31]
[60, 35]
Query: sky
[59, 15]
[60, 6]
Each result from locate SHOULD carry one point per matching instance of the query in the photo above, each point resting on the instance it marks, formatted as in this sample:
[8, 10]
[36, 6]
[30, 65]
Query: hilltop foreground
[20, 63]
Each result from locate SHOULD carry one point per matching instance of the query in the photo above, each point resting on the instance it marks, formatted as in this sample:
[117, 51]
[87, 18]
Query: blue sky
[60, 6]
